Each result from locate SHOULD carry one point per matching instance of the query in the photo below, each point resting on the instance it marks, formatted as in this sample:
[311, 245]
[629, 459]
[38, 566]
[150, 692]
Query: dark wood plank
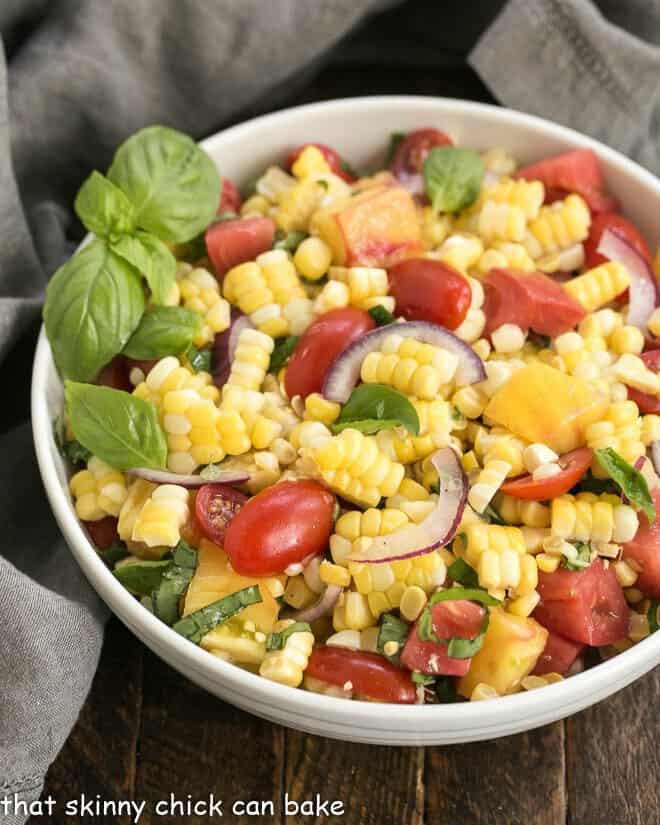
[613, 760]
[99, 756]
[518, 780]
[193, 745]
[378, 785]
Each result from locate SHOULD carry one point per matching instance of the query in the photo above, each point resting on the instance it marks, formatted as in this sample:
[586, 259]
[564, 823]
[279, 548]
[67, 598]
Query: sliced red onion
[412, 181]
[189, 481]
[655, 456]
[321, 607]
[344, 373]
[224, 347]
[437, 529]
[643, 288]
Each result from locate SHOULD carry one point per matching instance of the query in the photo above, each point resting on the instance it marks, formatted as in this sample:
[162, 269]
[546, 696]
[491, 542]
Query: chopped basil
[631, 481]
[75, 452]
[424, 679]
[116, 552]
[461, 572]
[392, 629]
[373, 407]
[141, 577]
[289, 241]
[282, 351]
[198, 624]
[653, 615]
[200, 359]
[395, 141]
[459, 648]
[452, 177]
[381, 316]
[174, 583]
[582, 560]
[276, 641]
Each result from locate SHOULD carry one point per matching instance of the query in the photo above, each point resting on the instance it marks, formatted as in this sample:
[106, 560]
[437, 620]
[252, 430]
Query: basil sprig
[452, 177]
[374, 407]
[392, 629]
[276, 641]
[196, 625]
[457, 647]
[163, 331]
[631, 481]
[152, 259]
[174, 583]
[121, 429]
[103, 208]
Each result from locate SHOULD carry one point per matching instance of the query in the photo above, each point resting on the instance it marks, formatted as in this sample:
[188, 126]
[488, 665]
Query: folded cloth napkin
[81, 78]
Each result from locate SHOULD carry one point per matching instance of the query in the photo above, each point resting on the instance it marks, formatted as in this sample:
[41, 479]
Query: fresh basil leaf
[152, 259]
[75, 452]
[103, 208]
[445, 690]
[172, 183]
[460, 648]
[199, 359]
[121, 429]
[289, 241]
[653, 616]
[493, 516]
[582, 560]
[93, 304]
[452, 177]
[141, 577]
[381, 316]
[196, 625]
[424, 679]
[282, 351]
[631, 481]
[461, 572]
[163, 331]
[116, 552]
[392, 629]
[276, 641]
[174, 583]
[376, 406]
[396, 139]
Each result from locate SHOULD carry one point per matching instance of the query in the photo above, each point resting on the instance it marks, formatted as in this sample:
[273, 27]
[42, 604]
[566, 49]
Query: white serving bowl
[359, 128]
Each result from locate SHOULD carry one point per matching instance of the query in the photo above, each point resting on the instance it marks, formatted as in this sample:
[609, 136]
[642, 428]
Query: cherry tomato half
[426, 290]
[413, 151]
[230, 197]
[331, 156]
[238, 240]
[102, 532]
[623, 228]
[282, 525]
[369, 673]
[646, 402]
[574, 465]
[215, 507]
[321, 343]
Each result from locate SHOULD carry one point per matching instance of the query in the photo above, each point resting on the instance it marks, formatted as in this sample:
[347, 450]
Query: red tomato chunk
[646, 402]
[236, 241]
[644, 551]
[558, 655]
[426, 290]
[330, 155]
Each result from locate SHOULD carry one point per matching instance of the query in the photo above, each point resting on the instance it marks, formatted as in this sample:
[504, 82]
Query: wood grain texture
[613, 759]
[377, 785]
[193, 744]
[518, 780]
[99, 756]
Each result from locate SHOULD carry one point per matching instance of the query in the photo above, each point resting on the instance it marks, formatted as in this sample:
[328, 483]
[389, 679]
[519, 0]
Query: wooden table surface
[146, 731]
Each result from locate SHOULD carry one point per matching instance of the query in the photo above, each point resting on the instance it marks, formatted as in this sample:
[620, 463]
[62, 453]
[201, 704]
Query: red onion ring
[324, 605]
[190, 482]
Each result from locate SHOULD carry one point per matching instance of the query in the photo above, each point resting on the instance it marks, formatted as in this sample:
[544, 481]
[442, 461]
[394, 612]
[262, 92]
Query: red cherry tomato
[102, 532]
[116, 375]
[215, 506]
[282, 525]
[586, 606]
[558, 655]
[332, 158]
[646, 402]
[460, 618]
[575, 171]
[623, 228]
[644, 549]
[233, 242]
[426, 290]
[320, 344]
[574, 465]
[230, 198]
[413, 151]
[369, 674]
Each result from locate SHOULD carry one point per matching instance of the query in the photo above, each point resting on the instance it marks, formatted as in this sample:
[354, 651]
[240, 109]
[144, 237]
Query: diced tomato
[644, 550]
[558, 655]
[574, 465]
[320, 344]
[230, 198]
[450, 619]
[575, 171]
[586, 606]
[215, 506]
[233, 242]
[332, 158]
[620, 226]
[426, 290]
[102, 532]
[368, 674]
[530, 300]
[116, 375]
[646, 402]
[413, 150]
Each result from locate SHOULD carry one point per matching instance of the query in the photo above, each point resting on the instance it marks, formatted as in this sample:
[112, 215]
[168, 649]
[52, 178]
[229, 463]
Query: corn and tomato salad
[325, 344]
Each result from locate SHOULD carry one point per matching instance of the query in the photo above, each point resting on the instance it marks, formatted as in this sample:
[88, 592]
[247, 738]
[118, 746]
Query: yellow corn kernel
[524, 605]
[598, 286]
[317, 408]
[413, 601]
[298, 594]
[547, 563]
[162, 516]
[334, 574]
[310, 162]
[287, 665]
[313, 258]
[558, 226]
